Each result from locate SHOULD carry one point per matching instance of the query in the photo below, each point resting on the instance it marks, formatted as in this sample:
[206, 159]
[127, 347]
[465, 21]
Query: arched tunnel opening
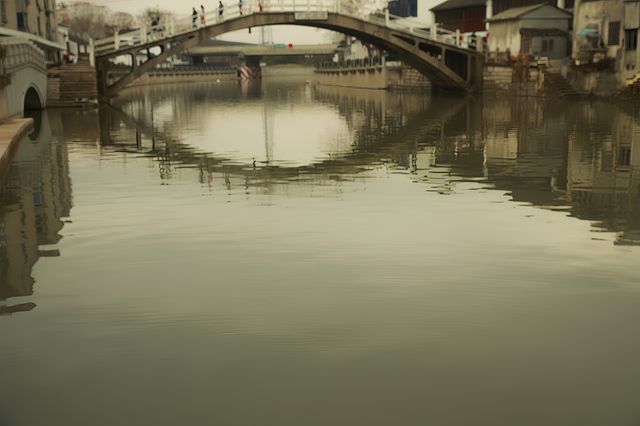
[33, 109]
[32, 101]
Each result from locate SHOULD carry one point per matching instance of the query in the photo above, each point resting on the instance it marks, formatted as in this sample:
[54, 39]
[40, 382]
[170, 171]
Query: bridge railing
[19, 53]
[235, 9]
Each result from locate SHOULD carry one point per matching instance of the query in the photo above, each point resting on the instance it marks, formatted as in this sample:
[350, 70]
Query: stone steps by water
[72, 85]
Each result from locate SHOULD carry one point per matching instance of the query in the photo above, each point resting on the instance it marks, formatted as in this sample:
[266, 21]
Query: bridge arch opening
[32, 100]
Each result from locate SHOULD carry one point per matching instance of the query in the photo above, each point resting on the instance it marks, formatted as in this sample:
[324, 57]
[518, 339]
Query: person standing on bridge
[220, 11]
[202, 16]
[260, 6]
[194, 18]
[240, 6]
[473, 41]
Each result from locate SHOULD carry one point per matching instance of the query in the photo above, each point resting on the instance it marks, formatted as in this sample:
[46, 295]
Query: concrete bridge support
[250, 68]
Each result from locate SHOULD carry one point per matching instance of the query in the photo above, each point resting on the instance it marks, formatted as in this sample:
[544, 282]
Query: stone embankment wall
[378, 76]
[598, 82]
[288, 70]
[407, 78]
[182, 76]
[521, 80]
[362, 77]
[632, 88]
[603, 82]
[11, 131]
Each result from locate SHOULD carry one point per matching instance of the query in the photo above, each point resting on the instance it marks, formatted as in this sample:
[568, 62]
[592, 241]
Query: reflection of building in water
[525, 139]
[604, 170]
[586, 156]
[35, 195]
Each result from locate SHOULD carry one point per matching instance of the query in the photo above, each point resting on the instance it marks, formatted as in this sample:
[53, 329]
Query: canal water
[285, 254]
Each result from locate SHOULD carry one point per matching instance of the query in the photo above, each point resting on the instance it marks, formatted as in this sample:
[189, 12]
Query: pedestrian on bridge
[473, 41]
[240, 6]
[202, 16]
[194, 18]
[220, 12]
[260, 6]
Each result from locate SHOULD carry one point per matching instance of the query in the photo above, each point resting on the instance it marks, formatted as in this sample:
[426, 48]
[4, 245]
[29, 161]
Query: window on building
[3, 11]
[22, 21]
[614, 33]
[631, 39]
[624, 156]
[403, 8]
[526, 45]
[547, 45]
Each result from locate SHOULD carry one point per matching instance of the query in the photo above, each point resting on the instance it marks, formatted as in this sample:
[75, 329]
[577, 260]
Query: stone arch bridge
[437, 54]
[24, 83]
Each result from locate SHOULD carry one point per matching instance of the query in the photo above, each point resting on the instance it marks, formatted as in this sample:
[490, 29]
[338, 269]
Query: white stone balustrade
[20, 53]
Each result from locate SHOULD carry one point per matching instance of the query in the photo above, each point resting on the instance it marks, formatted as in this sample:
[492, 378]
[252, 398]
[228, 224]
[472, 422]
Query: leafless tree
[151, 13]
[121, 22]
[360, 7]
[88, 20]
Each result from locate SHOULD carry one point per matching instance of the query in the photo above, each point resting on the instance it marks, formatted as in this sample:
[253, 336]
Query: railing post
[458, 38]
[92, 52]
[116, 41]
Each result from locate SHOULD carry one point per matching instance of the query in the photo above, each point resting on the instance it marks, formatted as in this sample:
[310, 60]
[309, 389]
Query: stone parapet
[19, 53]
[11, 131]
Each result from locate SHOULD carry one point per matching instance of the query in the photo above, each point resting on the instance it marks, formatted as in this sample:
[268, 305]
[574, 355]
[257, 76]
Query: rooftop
[518, 12]
[457, 4]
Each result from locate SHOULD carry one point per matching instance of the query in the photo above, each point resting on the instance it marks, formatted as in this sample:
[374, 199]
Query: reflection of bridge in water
[501, 144]
[589, 171]
[378, 124]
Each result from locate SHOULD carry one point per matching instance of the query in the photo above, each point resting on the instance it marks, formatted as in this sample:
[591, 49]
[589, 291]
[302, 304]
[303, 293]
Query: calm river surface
[297, 255]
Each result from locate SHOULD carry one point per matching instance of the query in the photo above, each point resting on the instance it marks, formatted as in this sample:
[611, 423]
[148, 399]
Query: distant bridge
[262, 50]
[442, 58]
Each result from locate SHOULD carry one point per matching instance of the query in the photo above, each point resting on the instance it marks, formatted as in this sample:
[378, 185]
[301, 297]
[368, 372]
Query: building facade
[473, 15]
[468, 16]
[536, 31]
[605, 38]
[37, 18]
[415, 12]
